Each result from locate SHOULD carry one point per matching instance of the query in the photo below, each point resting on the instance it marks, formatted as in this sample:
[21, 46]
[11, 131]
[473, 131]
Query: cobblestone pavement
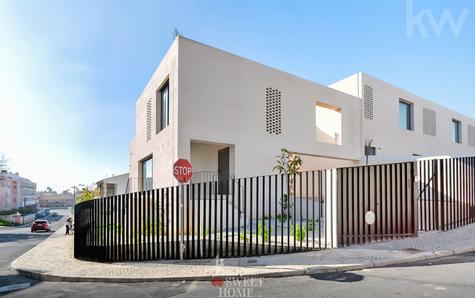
[59, 264]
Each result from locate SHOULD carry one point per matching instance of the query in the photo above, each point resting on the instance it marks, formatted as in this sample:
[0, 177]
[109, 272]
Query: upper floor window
[456, 131]
[405, 115]
[328, 123]
[163, 107]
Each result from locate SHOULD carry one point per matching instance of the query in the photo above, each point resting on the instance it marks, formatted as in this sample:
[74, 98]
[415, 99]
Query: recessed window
[163, 107]
[147, 174]
[456, 131]
[328, 123]
[370, 150]
[405, 115]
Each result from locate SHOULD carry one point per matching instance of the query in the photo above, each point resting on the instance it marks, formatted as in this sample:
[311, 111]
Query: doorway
[223, 171]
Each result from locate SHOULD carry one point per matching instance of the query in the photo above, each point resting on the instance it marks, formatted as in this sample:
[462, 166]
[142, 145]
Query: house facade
[231, 116]
[115, 185]
[16, 191]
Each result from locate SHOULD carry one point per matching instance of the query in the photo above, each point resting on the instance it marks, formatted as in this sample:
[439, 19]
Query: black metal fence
[257, 216]
[447, 193]
[376, 203]
[278, 214]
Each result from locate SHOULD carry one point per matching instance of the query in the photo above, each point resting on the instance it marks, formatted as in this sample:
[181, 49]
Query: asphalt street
[15, 241]
[452, 276]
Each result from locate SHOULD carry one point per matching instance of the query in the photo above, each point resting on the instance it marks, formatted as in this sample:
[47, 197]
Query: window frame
[409, 118]
[160, 123]
[143, 172]
[456, 138]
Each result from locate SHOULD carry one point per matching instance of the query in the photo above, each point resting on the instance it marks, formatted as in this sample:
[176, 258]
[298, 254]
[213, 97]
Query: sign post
[182, 170]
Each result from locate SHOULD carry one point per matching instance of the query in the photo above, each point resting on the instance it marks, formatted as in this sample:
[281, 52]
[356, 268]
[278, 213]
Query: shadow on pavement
[7, 281]
[338, 277]
[11, 237]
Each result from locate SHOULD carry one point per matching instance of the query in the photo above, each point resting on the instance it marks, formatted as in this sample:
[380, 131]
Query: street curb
[310, 270]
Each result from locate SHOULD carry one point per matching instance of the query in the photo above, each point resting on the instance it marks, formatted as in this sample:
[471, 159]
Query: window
[456, 131]
[405, 115]
[369, 150]
[163, 107]
[328, 123]
[147, 174]
[110, 189]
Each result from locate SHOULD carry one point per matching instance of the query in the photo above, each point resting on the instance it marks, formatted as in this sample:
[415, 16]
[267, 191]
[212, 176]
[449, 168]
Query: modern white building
[230, 116]
[115, 185]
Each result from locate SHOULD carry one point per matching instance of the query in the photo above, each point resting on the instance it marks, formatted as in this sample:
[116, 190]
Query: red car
[40, 225]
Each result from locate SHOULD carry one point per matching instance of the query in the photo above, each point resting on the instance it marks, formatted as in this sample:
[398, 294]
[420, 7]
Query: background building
[114, 185]
[54, 200]
[16, 191]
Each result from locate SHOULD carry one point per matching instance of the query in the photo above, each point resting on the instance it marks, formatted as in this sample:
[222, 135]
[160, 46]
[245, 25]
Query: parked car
[40, 225]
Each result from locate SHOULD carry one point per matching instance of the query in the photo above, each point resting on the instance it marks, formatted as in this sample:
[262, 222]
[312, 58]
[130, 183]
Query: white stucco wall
[389, 138]
[163, 145]
[220, 98]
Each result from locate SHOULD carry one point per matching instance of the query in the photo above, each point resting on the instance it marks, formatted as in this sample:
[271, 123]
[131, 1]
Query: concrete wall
[162, 146]
[392, 141]
[222, 99]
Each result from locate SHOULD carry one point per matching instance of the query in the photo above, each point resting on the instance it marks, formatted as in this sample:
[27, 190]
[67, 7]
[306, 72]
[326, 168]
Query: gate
[447, 193]
[376, 203]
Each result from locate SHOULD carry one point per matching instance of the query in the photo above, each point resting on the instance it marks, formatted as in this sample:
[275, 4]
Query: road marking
[15, 287]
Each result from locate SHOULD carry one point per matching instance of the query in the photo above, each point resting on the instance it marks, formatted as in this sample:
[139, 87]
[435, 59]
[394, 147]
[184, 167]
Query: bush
[262, 231]
[298, 232]
[282, 217]
[243, 236]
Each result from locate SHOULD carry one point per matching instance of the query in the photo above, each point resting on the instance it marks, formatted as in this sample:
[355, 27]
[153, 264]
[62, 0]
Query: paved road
[447, 277]
[15, 241]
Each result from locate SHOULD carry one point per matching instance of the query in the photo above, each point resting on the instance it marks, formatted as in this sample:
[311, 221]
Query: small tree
[287, 163]
[4, 162]
[86, 194]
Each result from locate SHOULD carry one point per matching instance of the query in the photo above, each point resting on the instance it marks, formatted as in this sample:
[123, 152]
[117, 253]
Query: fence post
[182, 220]
[331, 208]
[416, 192]
[442, 193]
[435, 192]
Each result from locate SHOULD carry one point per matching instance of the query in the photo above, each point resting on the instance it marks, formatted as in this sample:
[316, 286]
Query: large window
[163, 107]
[405, 115]
[147, 174]
[456, 131]
[328, 123]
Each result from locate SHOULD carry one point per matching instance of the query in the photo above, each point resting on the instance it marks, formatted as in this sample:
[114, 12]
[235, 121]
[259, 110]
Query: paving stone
[60, 265]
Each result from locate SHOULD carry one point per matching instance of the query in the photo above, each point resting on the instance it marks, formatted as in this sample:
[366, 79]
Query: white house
[230, 116]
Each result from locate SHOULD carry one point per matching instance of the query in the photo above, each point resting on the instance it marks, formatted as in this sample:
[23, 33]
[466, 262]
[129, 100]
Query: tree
[4, 161]
[287, 163]
[85, 194]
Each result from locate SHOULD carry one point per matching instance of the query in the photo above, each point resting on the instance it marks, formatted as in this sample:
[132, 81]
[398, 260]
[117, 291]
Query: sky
[71, 71]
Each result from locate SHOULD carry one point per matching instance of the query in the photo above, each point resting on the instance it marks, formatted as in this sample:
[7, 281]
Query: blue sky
[71, 71]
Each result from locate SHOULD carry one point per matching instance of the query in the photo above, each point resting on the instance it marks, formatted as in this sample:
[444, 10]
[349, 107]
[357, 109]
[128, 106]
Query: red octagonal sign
[182, 170]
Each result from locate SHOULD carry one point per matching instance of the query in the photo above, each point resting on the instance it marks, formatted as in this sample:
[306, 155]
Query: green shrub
[262, 231]
[282, 217]
[243, 236]
[298, 232]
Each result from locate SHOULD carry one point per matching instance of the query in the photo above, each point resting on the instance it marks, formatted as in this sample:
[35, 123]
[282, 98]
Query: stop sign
[182, 170]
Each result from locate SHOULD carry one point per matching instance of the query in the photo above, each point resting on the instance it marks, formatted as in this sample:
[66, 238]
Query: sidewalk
[52, 260]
